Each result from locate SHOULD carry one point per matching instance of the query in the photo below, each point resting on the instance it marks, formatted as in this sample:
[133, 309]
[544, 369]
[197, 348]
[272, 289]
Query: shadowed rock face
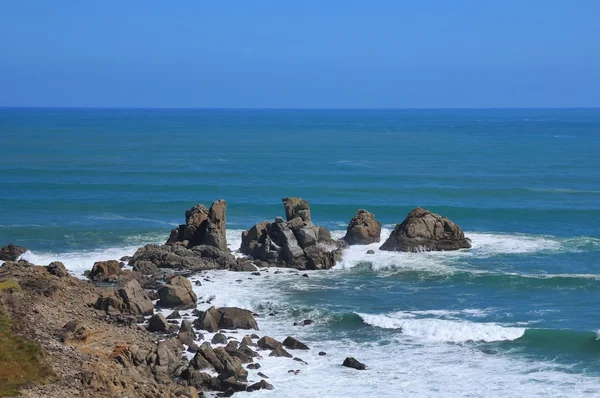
[423, 230]
[295, 243]
[202, 227]
[363, 229]
[11, 252]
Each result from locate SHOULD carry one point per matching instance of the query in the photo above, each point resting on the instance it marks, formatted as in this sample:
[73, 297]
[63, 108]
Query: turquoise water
[523, 184]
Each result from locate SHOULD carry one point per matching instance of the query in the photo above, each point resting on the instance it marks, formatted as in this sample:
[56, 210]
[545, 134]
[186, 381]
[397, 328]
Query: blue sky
[307, 54]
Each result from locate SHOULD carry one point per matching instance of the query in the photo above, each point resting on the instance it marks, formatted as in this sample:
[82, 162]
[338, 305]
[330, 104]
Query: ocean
[516, 315]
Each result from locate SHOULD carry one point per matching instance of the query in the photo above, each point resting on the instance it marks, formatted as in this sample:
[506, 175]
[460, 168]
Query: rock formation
[202, 227]
[214, 319]
[363, 229]
[11, 252]
[177, 293]
[423, 230]
[295, 243]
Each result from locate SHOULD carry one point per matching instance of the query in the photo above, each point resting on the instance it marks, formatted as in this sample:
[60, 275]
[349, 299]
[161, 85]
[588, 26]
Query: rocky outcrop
[152, 259]
[363, 229]
[58, 269]
[214, 319]
[296, 207]
[11, 252]
[104, 271]
[202, 227]
[177, 293]
[295, 243]
[423, 230]
[130, 299]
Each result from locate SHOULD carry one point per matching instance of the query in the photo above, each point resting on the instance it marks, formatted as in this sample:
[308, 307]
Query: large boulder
[202, 227]
[177, 293]
[11, 252]
[57, 268]
[363, 229]
[423, 230]
[295, 243]
[214, 319]
[135, 299]
[103, 271]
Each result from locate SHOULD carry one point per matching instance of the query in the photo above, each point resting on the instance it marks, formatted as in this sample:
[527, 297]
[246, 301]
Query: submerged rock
[363, 229]
[423, 230]
[350, 362]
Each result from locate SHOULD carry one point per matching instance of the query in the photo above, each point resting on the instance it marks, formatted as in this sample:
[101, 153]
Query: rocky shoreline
[134, 329]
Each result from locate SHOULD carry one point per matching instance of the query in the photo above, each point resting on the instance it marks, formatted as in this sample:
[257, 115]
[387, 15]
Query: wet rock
[293, 344]
[158, 323]
[268, 343]
[11, 252]
[174, 315]
[57, 268]
[370, 251]
[423, 230]
[219, 338]
[253, 366]
[248, 341]
[350, 362]
[259, 386]
[363, 229]
[280, 352]
[186, 334]
[300, 360]
[214, 319]
[261, 374]
[322, 353]
[177, 293]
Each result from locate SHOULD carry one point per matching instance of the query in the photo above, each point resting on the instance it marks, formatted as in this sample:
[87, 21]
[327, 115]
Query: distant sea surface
[516, 315]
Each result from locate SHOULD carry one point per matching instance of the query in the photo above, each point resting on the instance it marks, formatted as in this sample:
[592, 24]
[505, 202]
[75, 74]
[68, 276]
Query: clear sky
[300, 53]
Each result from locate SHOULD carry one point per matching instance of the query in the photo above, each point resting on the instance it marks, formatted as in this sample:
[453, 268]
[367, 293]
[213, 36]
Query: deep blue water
[525, 184]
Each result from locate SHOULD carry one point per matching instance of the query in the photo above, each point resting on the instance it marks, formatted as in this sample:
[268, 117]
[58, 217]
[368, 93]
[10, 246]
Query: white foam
[416, 363]
[442, 330]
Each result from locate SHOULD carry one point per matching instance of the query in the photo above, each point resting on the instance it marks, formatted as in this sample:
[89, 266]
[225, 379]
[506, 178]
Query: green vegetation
[20, 358]
[10, 284]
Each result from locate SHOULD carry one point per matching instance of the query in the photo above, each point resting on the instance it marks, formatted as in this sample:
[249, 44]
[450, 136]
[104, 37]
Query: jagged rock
[280, 352]
[57, 268]
[423, 230]
[268, 343]
[177, 293]
[104, 270]
[226, 318]
[202, 227]
[158, 323]
[135, 299]
[219, 338]
[174, 315]
[186, 333]
[248, 341]
[363, 229]
[293, 344]
[294, 243]
[259, 386]
[11, 252]
[297, 207]
[350, 362]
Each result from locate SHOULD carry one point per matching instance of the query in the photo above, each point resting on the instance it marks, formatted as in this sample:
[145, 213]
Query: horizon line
[298, 108]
